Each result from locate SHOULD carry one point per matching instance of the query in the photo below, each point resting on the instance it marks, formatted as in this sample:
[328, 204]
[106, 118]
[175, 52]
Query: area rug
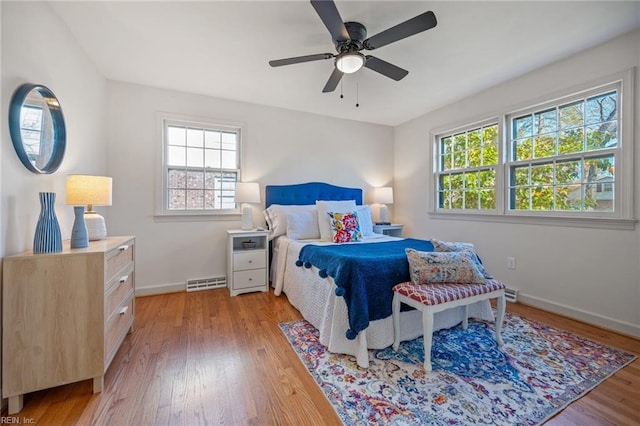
[538, 372]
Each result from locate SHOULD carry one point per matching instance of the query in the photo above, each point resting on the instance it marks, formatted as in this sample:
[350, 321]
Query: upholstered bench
[432, 298]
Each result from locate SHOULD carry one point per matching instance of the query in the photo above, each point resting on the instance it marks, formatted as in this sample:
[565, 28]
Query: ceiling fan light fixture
[350, 62]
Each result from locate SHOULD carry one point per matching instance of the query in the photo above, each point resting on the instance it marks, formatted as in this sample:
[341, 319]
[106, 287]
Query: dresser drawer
[253, 259]
[117, 327]
[250, 278]
[118, 259]
[119, 291]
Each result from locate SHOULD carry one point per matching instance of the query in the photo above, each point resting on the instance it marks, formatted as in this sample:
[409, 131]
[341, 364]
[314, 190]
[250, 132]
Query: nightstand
[247, 261]
[393, 230]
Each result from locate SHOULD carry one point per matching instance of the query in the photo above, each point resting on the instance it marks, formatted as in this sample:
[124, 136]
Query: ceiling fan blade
[385, 68]
[406, 29]
[330, 16]
[300, 59]
[333, 81]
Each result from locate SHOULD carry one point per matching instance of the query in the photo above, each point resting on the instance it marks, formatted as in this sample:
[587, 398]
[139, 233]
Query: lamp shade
[383, 195]
[89, 190]
[247, 192]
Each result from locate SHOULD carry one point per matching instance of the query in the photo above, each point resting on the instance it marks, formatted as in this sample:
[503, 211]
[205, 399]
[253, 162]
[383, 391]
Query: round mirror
[37, 128]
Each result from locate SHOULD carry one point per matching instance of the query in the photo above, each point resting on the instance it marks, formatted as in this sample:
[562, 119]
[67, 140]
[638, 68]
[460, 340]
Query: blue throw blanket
[364, 274]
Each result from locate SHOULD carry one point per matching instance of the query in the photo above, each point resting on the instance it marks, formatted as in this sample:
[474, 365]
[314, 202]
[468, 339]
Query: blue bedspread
[364, 274]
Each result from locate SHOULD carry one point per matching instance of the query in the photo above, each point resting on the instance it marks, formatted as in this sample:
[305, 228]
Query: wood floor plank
[206, 358]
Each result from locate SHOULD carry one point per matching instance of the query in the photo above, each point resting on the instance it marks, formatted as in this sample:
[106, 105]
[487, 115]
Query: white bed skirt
[315, 298]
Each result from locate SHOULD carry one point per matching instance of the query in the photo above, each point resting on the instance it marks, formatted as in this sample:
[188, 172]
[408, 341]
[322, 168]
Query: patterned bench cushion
[435, 294]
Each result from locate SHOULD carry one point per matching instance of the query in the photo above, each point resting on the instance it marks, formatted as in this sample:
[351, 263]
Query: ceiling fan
[351, 37]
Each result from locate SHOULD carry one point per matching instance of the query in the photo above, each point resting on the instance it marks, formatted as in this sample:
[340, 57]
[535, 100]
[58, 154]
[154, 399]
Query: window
[201, 167]
[468, 162]
[558, 159]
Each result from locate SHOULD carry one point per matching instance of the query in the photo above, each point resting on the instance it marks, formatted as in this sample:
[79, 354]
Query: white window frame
[162, 210]
[623, 215]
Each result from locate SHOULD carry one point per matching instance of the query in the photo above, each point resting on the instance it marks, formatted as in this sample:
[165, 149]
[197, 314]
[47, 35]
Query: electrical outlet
[511, 262]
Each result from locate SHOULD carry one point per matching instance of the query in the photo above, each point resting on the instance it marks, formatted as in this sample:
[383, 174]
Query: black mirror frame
[59, 130]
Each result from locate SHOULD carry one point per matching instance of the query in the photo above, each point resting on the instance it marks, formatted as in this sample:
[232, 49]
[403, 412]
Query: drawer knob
[123, 247]
[124, 310]
[124, 278]
[250, 279]
[251, 261]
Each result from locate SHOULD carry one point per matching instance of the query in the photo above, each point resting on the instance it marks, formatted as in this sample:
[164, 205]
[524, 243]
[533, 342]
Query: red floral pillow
[345, 227]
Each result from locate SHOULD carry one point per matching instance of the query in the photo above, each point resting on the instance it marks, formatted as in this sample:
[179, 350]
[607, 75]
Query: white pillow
[324, 221]
[364, 220]
[276, 217]
[303, 225]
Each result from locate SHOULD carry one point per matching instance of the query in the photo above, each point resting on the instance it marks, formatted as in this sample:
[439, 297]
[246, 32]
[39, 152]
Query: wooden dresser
[64, 315]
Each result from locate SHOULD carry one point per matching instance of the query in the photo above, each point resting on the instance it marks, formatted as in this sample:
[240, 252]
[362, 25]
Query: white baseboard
[160, 289]
[581, 315]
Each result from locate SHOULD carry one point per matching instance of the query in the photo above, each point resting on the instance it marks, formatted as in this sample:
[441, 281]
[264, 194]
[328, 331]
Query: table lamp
[90, 191]
[383, 196]
[248, 193]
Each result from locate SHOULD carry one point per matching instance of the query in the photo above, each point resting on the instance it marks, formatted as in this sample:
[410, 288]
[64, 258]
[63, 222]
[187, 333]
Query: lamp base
[384, 214]
[96, 228]
[247, 218]
[79, 237]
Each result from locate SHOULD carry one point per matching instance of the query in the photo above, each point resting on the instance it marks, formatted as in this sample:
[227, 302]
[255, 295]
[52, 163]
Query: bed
[314, 292]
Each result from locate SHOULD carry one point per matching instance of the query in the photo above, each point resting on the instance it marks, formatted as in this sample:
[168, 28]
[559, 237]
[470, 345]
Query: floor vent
[206, 283]
[511, 295]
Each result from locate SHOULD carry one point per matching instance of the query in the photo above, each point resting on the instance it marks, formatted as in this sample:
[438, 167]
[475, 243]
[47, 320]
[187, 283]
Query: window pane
[195, 138]
[522, 127]
[520, 176]
[195, 157]
[571, 115]
[177, 199]
[523, 149]
[545, 122]
[212, 159]
[568, 197]
[542, 198]
[570, 141]
[229, 141]
[176, 156]
[195, 199]
[490, 145]
[542, 175]
[471, 199]
[474, 140]
[544, 146]
[569, 172]
[603, 135]
[176, 135]
[445, 162]
[445, 145]
[195, 180]
[456, 199]
[521, 198]
[212, 139]
[210, 199]
[487, 199]
[601, 108]
[488, 178]
[229, 160]
[471, 180]
[177, 178]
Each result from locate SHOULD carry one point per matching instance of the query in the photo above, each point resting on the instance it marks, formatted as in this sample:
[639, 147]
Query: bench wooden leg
[465, 320]
[501, 305]
[395, 314]
[427, 329]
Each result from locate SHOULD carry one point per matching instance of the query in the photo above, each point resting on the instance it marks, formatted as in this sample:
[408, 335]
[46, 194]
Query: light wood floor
[207, 358]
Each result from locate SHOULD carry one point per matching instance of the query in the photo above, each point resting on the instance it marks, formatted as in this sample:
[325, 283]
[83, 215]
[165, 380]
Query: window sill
[575, 222]
[196, 217]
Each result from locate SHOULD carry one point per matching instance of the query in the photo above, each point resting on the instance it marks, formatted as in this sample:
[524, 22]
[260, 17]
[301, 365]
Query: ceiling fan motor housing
[357, 35]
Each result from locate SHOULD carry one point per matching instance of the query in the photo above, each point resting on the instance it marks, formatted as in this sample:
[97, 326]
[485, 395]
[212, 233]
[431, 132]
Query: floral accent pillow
[434, 268]
[449, 246]
[345, 227]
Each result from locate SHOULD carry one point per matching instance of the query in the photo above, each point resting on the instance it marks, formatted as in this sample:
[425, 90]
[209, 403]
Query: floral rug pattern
[538, 371]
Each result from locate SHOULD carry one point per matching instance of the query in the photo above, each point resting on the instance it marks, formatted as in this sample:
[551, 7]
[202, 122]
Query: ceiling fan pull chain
[341, 95]
[357, 93]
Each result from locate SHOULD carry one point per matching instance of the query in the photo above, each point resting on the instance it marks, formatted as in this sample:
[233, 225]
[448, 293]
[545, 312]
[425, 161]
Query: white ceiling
[222, 49]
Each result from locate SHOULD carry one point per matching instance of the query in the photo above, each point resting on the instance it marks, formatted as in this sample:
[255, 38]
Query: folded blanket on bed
[364, 274]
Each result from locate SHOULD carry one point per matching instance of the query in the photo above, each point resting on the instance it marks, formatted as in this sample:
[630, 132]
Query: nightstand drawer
[123, 287]
[250, 278]
[118, 259]
[253, 259]
[118, 326]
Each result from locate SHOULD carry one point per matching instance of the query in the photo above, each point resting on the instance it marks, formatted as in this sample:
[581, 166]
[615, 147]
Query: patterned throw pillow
[452, 267]
[449, 246]
[345, 227]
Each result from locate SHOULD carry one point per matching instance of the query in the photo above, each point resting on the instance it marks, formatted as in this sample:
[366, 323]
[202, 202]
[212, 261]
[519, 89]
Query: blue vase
[48, 238]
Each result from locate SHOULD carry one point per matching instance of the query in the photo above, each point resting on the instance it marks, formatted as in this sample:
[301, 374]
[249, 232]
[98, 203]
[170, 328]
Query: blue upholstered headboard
[308, 193]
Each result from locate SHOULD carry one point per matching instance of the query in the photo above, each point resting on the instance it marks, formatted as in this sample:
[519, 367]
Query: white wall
[589, 274]
[279, 147]
[38, 48]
